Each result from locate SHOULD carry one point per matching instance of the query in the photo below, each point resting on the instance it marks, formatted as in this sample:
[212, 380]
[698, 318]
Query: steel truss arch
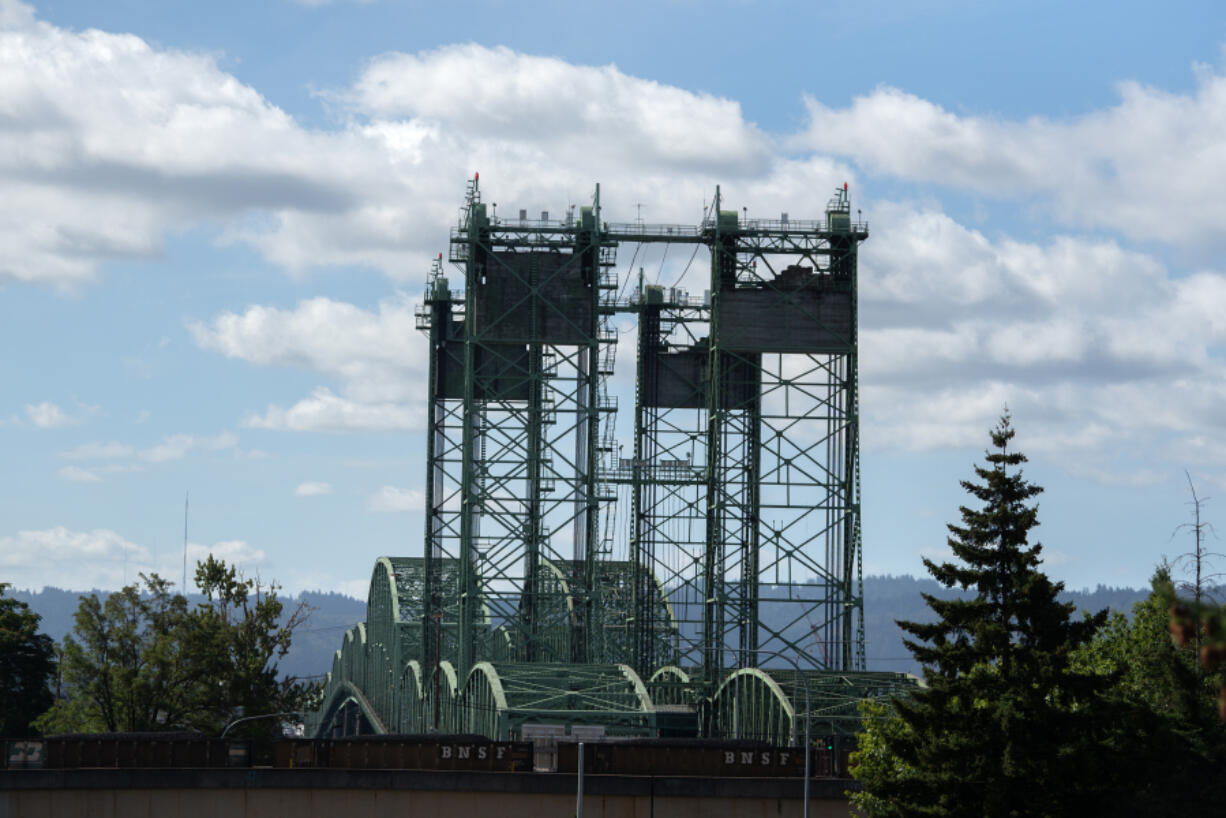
[751, 704]
[344, 693]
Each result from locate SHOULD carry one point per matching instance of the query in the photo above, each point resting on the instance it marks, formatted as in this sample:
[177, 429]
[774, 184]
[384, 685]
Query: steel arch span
[382, 682]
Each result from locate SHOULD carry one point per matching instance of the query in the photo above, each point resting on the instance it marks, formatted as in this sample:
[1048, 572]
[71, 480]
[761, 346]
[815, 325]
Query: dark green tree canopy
[1005, 724]
[144, 660]
[1176, 744]
[27, 665]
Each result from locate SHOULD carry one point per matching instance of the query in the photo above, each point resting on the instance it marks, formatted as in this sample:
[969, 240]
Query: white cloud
[109, 142]
[98, 451]
[94, 473]
[391, 498]
[1148, 166]
[113, 142]
[377, 355]
[77, 560]
[100, 558]
[551, 104]
[237, 553]
[47, 415]
[1087, 341]
[313, 489]
[171, 447]
[327, 412]
[174, 447]
[76, 474]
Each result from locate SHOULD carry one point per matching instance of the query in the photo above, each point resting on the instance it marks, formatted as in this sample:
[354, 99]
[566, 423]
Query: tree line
[145, 660]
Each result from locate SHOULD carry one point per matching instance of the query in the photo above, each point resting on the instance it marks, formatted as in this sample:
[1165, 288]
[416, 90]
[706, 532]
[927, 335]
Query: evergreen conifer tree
[1005, 725]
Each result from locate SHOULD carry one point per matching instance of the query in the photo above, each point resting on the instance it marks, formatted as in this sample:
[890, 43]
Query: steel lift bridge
[708, 583]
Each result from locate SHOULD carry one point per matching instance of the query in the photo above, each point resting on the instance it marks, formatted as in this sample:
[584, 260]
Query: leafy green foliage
[1200, 625]
[240, 639]
[27, 664]
[126, 664]
[144, 661]
[1170, 736]
[1006, 724]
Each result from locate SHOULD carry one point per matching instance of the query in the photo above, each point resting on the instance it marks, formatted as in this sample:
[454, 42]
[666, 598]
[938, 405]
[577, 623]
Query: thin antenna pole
[186, 499]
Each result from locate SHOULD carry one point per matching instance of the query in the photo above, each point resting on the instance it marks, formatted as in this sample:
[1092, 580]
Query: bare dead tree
[1199, 562]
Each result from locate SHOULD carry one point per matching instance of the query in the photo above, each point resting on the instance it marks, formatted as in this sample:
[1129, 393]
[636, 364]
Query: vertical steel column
[534, 535]
[439, 307]
[587, 427]
[643, 494]
[470, 495]
[713, 568]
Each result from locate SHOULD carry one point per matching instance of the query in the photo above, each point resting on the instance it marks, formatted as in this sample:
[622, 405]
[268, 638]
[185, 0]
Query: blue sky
[215, 220]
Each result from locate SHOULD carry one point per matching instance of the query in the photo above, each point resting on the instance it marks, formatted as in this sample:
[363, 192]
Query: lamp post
[242, 719]
[579, 786]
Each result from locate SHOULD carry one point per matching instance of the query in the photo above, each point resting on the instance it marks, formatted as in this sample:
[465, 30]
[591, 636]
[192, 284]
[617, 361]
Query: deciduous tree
[1171, 742]
[126, 667]
[144, 660]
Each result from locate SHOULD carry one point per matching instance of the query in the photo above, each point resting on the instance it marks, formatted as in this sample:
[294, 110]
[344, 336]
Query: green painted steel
[556, 574]
[373, 688]
[751, 704]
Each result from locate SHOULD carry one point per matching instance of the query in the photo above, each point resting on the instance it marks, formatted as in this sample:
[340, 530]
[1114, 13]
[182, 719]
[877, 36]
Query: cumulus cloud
[1149, 164]
[313, 489]
[174, 447]
[324, 411]
[391, 498]
[114, 457]
[78, 560]
[47, 415]
[1088, 341]
[377, 355]
[549, 103]
[76, 474]
[108, 142]
[98, 451]
[111, 142]
[103, 559]
[237, 553]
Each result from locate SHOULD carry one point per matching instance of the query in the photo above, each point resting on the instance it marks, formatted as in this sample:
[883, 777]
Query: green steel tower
[740, 551]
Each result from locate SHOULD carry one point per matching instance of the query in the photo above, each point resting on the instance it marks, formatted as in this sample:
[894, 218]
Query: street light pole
[579, 787]
[253, 718]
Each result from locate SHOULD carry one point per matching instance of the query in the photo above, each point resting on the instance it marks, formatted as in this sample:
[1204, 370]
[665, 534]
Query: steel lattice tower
[660, 593]
[743, 484]
[745, 481]
[515, 414]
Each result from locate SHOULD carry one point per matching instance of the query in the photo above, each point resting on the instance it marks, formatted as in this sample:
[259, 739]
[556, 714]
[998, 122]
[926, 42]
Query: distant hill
[886, 598]
[312, 649]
